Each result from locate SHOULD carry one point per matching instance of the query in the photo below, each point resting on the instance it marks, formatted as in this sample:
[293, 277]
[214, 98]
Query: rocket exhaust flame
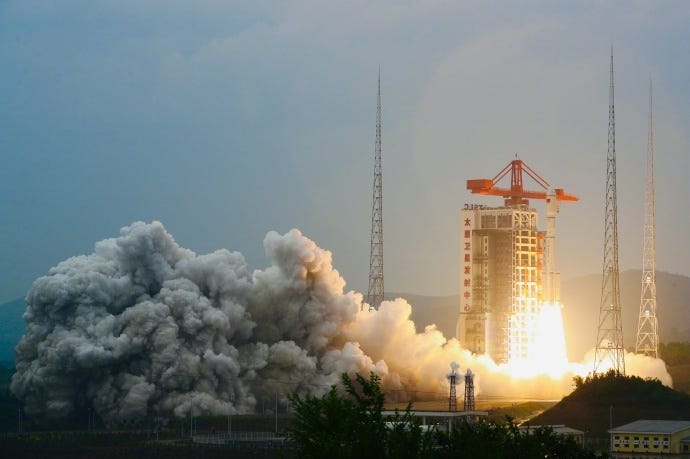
[547, 354]
[143, 324]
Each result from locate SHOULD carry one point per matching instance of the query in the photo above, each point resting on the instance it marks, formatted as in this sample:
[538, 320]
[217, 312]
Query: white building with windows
[500, 280]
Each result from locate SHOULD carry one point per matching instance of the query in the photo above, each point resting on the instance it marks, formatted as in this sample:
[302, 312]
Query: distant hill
[581, 297]
[11, 330]
[426, 310]
[605, 400]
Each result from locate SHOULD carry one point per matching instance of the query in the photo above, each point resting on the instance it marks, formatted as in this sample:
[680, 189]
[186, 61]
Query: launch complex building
[507, 266]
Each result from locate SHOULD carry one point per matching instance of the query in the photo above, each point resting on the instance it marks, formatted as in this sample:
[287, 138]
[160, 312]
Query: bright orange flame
[547, 354]
[545, 371]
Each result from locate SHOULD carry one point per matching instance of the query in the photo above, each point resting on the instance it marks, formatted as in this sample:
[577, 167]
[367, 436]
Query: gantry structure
[609, 352]
[508, 269]
[647, 327]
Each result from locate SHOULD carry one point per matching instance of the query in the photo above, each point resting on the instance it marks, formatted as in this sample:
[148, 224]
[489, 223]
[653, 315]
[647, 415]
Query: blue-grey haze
[226, 120]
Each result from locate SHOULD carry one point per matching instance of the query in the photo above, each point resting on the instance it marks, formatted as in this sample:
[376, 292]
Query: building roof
[437, 414]
[652, 426]
[557, 428]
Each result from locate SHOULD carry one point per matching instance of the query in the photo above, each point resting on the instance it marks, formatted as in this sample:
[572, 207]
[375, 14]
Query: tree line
[350, 424]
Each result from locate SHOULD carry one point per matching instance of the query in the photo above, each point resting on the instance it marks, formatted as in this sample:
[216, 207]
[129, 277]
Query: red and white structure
[508, 269]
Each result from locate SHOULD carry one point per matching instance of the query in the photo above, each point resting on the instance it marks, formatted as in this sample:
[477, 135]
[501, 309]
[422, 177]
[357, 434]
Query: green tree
[494, 440]
[353, 426]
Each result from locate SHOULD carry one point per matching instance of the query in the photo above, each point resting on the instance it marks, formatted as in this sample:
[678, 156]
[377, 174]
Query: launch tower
[647, 337]
[609, 352]
[507, 265]
[375, 292]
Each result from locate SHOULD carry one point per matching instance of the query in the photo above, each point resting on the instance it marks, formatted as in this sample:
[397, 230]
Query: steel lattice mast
[647, 337]
[609, 351]
[375, 292]
[469, 391]
[453, 380]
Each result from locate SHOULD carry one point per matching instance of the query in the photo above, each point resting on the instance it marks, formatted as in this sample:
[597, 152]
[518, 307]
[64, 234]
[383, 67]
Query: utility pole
[276, 412]
[375, 292]
[191, 417]
[647, 327]
[609, 351]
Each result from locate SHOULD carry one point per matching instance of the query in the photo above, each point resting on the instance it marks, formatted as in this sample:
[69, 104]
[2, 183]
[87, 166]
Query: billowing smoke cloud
[143, 324]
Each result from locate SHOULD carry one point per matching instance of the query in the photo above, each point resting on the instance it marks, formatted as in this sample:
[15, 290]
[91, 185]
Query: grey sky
[227, 119]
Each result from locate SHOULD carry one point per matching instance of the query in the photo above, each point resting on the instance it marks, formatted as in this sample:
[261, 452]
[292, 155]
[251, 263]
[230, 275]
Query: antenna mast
[647, 337]
[609, 346]
[375, 292]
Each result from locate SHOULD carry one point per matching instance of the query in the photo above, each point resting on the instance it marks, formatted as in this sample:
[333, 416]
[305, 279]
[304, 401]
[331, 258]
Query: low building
[649, 436]
[559, 429]
[442, 419]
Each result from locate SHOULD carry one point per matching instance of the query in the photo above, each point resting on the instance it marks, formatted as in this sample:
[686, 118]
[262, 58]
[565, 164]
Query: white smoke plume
[142, 325]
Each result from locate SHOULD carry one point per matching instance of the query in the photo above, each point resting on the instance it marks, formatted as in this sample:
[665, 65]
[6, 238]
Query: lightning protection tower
[647, 338]
[469, 391]
[609, 352]
[453, 380]
[375, 292]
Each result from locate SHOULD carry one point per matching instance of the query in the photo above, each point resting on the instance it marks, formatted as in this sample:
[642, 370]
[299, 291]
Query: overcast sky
[227, 119]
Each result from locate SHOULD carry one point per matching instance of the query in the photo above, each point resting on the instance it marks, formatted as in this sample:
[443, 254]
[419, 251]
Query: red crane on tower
[516, 194]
